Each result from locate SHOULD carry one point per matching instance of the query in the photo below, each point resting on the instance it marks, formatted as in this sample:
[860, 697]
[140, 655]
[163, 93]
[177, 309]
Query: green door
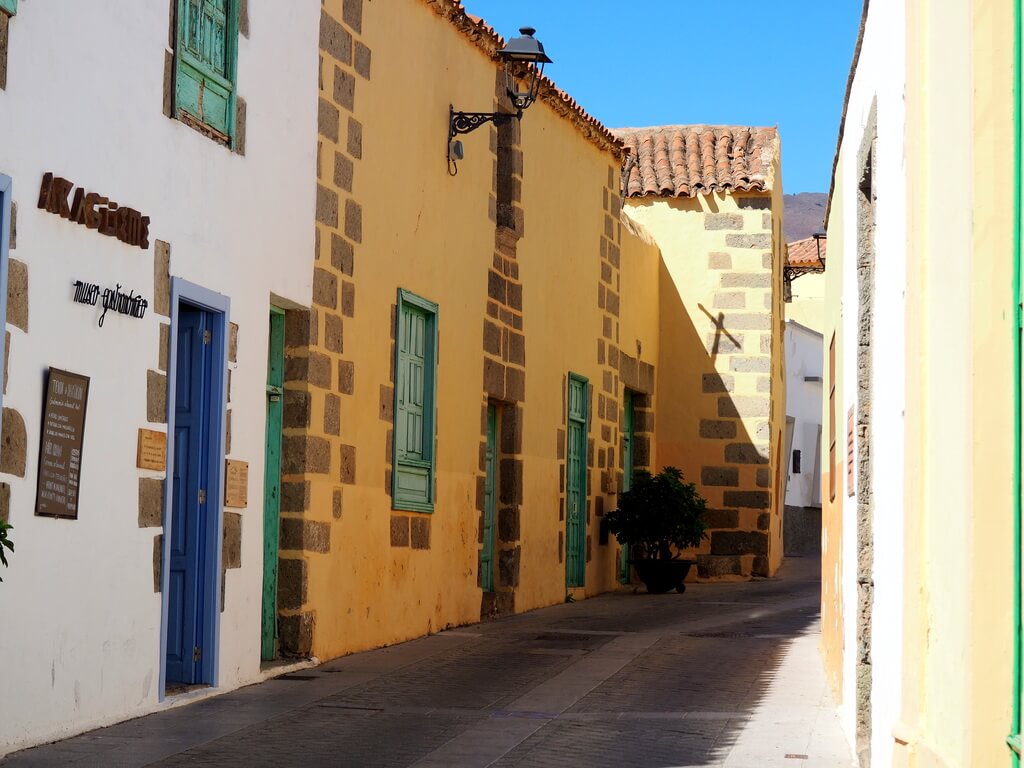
[576, 484]
[490, 484]
[627, 477]
[272, 482]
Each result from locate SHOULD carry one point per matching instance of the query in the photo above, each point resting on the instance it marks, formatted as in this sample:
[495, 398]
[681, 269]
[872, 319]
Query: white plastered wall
[879, 81]
[85, 84]
[804, 359]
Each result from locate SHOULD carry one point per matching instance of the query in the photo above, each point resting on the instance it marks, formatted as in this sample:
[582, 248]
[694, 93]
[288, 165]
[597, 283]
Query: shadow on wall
[704, 418]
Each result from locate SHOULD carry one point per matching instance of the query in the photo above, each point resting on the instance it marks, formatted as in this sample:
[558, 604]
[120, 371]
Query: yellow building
[921, 481]
[712, 198]
[484, 362]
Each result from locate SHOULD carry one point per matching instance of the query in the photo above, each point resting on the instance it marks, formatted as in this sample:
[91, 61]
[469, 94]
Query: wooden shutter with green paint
[413, 475]
[205, 59]
[10, 7]
[576, 485]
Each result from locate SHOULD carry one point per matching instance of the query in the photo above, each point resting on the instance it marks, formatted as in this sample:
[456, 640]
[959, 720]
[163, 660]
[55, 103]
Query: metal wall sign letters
[60, 449]
[111, 298]
[94, 211]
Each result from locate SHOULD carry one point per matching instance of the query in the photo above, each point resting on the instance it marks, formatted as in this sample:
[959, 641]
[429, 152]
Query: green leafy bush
[5, 542]
[659, 515]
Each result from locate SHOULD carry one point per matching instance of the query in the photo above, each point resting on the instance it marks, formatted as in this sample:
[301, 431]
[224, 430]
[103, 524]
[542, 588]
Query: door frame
[219, 306]
[584, 480]
[272, 532]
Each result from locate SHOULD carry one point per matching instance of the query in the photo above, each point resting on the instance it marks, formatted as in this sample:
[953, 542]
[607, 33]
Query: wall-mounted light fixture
[524, 58]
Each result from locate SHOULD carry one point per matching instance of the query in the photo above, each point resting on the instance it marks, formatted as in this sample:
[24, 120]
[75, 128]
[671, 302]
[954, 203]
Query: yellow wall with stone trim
[430, 233]
[694, 234]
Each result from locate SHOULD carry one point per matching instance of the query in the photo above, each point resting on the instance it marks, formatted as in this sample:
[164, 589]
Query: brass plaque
[152, 451]
[60, 446]
[236, 483]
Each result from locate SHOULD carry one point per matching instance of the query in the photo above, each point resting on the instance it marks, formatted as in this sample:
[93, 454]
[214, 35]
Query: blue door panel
[187, 588]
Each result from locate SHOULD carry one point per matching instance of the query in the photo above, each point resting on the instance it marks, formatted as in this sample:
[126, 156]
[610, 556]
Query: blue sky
[634, 63]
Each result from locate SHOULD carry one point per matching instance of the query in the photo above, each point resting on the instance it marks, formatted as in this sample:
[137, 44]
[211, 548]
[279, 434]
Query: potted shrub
[658, 517]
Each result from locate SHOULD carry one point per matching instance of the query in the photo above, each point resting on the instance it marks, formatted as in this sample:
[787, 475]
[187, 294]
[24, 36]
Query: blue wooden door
[576, 485]
[490, 488]
[189, 506]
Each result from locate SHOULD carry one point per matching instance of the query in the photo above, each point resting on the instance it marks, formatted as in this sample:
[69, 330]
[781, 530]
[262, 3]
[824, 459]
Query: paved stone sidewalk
[726, 675]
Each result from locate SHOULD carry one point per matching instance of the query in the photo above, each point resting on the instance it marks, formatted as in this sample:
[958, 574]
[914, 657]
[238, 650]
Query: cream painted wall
[85, 647]
[808, 304]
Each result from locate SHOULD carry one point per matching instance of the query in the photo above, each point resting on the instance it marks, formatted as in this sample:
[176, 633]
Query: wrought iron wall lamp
[524, 58]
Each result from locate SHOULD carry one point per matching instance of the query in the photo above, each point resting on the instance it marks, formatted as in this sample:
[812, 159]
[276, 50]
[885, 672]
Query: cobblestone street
[724, 675]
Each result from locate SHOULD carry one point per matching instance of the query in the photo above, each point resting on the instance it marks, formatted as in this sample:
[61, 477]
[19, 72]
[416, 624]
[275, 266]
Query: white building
[178, 171]
[801, 533]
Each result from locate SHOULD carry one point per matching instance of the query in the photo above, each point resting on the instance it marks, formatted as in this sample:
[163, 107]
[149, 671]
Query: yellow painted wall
[808, 304]
[428, 232]
[833, 598]
[693, 433]
[958, 675]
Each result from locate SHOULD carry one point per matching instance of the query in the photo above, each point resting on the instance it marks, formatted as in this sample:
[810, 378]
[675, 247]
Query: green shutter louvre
[205, 57]
[415, 369]
[9, 6]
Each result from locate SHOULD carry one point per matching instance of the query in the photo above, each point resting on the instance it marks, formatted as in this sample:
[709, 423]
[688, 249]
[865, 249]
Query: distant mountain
[804, 214]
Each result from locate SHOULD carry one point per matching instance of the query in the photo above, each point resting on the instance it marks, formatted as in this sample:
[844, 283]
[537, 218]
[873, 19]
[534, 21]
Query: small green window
[415, 403]
[10, 7]
[204, 58]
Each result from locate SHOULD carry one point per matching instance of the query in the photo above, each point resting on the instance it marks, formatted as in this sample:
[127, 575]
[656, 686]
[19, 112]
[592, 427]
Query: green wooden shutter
[9, 6]
[415, 383]
[206, 51]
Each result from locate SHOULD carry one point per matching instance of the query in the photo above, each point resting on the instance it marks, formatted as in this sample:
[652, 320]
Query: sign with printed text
[60, 446]
[236, 483]
[152, 451]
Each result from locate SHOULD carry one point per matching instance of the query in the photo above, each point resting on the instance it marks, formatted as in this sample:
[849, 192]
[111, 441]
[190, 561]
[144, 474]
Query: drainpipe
[1014, 740]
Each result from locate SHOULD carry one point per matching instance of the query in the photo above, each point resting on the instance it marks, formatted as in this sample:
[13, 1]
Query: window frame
[401, 501]
[229, 83]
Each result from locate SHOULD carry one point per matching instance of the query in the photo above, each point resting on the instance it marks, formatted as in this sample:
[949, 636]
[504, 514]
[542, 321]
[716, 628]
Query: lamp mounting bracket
[466, 122]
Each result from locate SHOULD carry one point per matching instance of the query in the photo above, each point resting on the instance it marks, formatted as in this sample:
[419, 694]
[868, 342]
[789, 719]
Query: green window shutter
[205, 58]
[415, 403]
[10, 6]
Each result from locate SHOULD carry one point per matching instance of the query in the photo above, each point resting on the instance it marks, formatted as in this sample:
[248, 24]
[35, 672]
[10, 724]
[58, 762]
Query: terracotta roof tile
[804, 253]
[691, 160]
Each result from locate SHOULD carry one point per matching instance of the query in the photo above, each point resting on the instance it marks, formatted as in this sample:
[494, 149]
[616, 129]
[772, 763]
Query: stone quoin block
[746, 280]
[337, 504]
[746, 453]
[716, 566]
[723, 221]
[720, 476]
[17, 293]
[231, 543]
[508, 567]
[344, 89]
[354, 145]
[334, 333]
[332, 414]
[748, 499]
[739, 543]
[760, 241]
[346, 377]
[722, 518]
[348, 464]
[295, 497]
[361, 61]
[419, 532]
[342, 255]
[717, 429]
[719, 260]
[162, 278]
[335, 40]
[326, 206]
[737, 406]
[305, 454]
[399, 531]
[759, 321]
[730, 300]
[750, 365]
[310, 535]
[296, 634]
[328, 120]
[158, 561]
[716, 382]
[13, 444]
[156, 397]
[325, 289]
[296, 413]
[151, 502]
[724, 343]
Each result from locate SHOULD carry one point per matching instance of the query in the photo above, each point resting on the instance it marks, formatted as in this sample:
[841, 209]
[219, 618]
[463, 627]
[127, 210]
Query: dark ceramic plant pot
[663, 575]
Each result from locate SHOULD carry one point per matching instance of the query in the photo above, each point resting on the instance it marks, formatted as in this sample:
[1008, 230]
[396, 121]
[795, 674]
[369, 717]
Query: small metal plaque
[152, 451]
[60, 446]
[236, 483]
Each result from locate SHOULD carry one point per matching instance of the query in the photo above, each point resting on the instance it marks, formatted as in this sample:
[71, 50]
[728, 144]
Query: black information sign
[60, 449]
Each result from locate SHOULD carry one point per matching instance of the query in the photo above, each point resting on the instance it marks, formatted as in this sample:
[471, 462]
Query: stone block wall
[320, 379]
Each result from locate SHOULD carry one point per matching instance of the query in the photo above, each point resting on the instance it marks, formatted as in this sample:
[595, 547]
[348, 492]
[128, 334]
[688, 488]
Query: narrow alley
[727, 674]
